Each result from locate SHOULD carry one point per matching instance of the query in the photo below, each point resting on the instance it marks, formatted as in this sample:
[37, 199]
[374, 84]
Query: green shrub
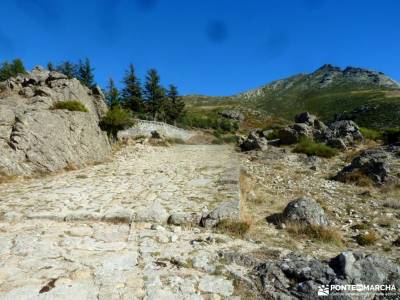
[371, 134]
[391, 135]
[70, 105]
[230, 139]
[115, 120]
[198, 120]
[310, 147]
[273, 135]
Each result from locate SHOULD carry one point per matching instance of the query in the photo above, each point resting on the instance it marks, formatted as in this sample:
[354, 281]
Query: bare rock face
[34, 138]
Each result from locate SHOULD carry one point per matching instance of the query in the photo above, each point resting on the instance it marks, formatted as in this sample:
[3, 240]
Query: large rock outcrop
[339, 134]
[35, 138]
[381, 165]
[256, 140]
[297, 277]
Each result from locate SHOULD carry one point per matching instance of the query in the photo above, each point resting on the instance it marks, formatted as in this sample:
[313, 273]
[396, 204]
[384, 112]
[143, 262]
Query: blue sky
[215, 47]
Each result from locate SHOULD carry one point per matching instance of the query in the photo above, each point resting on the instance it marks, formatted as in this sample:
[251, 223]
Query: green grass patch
[309, 147]
[70, 105]
[371, 134]
[208, 120]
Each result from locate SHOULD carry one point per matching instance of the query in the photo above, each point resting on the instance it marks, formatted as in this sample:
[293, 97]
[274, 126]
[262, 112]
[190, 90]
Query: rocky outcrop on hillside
[339, 134]
[36, 138]
[297, 277]
[232, 114]
[256, 140]
[380, 165]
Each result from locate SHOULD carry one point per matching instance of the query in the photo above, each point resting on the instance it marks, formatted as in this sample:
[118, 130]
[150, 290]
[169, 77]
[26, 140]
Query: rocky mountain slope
[370, 98]
[34, 137]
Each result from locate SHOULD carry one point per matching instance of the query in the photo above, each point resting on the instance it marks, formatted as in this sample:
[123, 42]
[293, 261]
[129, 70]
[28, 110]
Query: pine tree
[154, 93]
[12, 69]
[132, 91]
[68, 69]
[50, 66]
[85, 73]
[177, 104]
[112, 95]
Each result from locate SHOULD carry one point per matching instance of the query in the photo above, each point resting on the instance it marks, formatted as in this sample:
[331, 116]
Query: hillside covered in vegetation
[370, 98]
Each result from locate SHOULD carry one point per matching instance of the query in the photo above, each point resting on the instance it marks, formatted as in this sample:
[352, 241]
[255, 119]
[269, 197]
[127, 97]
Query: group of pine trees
[150, 100]
[82, 70]
[11, 69]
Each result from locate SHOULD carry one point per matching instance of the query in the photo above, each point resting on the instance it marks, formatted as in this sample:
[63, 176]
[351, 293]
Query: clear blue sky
[215, 47]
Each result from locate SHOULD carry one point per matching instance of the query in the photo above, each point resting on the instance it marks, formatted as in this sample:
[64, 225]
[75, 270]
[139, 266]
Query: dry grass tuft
[358, 178]
[392, 203]
[71, 167]
[7, 178]
[315, 232]
[367, 239]
[234, 228]
[361, 226]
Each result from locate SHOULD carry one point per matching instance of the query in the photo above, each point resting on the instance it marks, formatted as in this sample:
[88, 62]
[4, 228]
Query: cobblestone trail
[100, 232]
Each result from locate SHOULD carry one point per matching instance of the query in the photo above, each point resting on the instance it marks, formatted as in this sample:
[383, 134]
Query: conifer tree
[112, 95]
[12, 69]
[85, 73]
[154, 93]
[50, 66]
[68, 69]
[177, 105]
[132, 92]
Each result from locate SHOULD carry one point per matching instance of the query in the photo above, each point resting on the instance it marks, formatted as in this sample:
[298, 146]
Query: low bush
[273, 135]
[309, 147]
[197, 120]
[70, 105]
[391, 135]
[115, 120]
[371, 134]
[315, 232]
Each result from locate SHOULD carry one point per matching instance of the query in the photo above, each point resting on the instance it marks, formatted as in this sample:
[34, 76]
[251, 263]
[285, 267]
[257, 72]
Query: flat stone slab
[142, 183]
[96, 233]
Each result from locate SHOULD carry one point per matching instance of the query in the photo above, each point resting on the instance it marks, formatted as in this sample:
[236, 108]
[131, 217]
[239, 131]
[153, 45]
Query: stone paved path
[96, 233]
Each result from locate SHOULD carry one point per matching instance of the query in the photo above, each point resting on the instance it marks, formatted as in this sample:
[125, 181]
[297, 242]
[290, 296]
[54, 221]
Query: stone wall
[144, 128]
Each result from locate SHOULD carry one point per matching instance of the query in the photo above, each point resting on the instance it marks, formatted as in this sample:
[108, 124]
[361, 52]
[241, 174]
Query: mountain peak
[328, 68]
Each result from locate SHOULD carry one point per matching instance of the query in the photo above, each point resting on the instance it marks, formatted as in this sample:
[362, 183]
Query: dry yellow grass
[234, 228]
[315, 232]
[367, 239]
[358, 178]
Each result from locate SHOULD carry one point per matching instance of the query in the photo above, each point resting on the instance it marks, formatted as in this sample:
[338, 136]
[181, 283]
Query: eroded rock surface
[34, 138]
